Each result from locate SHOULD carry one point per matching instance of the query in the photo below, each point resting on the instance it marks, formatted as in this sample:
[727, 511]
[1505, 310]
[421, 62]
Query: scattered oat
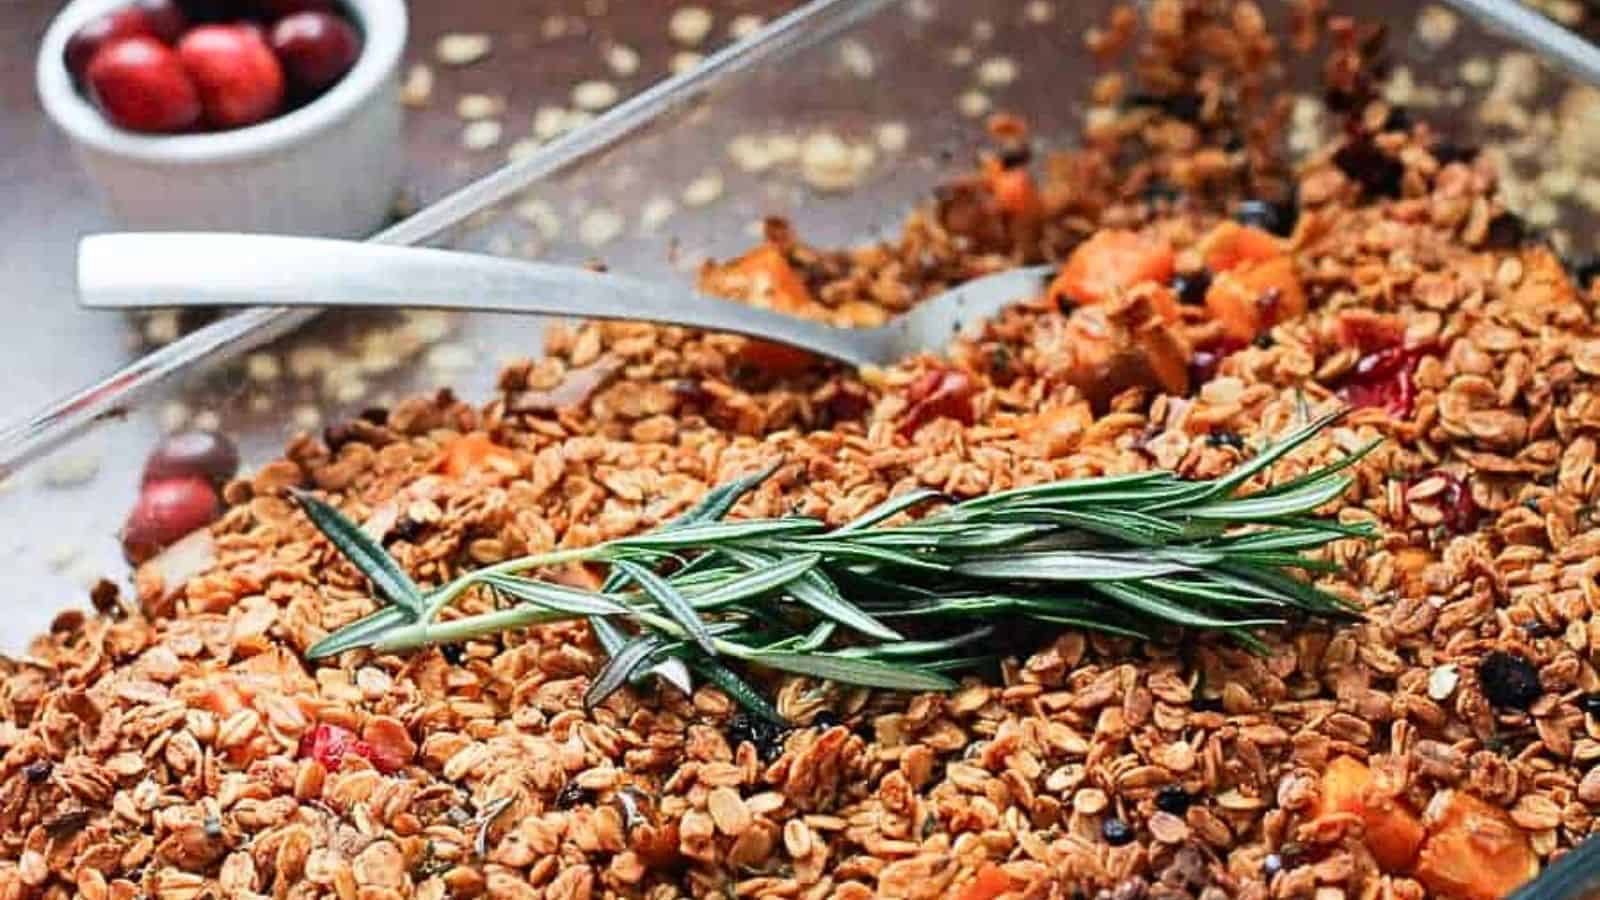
[689, 25]
[856, 58]
[744, 25]
[541, 215]
[973, 104]
[657, 210]
[997, 71]
[600, 226]
[961, 56]
[60, 556]
[417, 89]
[162, 327]
[263, 367]
[1436, 26]
[462, 49]
[1038, 12]
[72, 469]
[622, 60]
[684, 60]
[480, 106]
[451, 358]
[830, 163]
[306, 417]
[893, 136]
[1442, 681]
[482, 134]
[174, 416]
[704, 189]
[1477, 71]
[594, 95]
[522, 148]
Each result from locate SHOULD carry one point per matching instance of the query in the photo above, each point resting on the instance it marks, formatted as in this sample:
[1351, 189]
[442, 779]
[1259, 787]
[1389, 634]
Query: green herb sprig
[897, 606]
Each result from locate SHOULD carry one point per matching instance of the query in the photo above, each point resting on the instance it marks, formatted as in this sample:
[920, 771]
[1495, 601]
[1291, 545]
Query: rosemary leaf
[363, 552]
[673, 602]
[360, 633]
[616, 672]
[864, 672]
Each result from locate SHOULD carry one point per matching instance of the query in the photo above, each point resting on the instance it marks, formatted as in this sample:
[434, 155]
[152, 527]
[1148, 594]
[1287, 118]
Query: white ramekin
[330, 168]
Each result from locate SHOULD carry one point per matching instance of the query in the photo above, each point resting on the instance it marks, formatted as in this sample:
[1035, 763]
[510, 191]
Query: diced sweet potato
[1012, 188]
[1230, 245]
[1393, 833]
[1368, 331]
[474, 453]
[991, 882]
[1253, 298]
[763, 277]
[1057, 430]
[1110, 356]
[1474, 851]
[1107, 264]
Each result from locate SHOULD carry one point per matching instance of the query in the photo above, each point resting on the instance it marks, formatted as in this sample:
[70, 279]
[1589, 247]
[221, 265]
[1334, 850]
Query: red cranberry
[277, 9]
[139, 84]
[203, 454]
[102, 30]
[166, 511]
[939, 393]
[1455, 502]
[1383, 380]
[164, 18]
[1205, 361]
[328, 744]
[240, 81]
[316, 49]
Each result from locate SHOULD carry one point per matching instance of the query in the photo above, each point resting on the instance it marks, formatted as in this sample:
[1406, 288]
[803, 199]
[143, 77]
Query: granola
[183, 748]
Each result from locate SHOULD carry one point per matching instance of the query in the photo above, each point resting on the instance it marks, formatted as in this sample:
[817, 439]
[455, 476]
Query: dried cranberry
[329, 744]
[166, 511]
[37, 771]
[1174, 799]
[205, 454]
[1205, 360]
[139, 84]
[1455, 501]
[1185, 106]
[1507, 231]
[1383, 380]
[1265, 215]
[316, 49]
[240, 81]
[939, 393]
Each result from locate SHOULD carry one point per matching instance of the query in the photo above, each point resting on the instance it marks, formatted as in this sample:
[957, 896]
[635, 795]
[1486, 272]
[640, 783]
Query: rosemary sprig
[898, 606]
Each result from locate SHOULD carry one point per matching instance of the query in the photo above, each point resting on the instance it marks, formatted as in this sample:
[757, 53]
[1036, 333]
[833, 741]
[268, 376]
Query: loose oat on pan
[182, 747]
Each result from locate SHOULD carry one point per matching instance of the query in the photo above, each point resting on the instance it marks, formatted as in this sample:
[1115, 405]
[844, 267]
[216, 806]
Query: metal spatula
[174, 269]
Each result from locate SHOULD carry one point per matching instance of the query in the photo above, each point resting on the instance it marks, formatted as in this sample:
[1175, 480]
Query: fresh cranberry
[277, 9]
[329, 744]
[240, 81]
[139, 84]
[165, 18]
[166, 511]
[1383, 380]
[936, 394]
[316, 49]
[1455, 501]
[205, 454]
[84, 43]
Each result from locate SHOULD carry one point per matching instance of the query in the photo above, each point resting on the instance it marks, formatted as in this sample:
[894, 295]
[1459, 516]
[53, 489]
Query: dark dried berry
[1447, 152]
[1399, 119]
[1191, 286]
[1590, 703]
[1015, 155]
[212, 827]
[571, 794]
[1377, 172]
[1206, 704]
[1272, 865]
[407, 529]
[1174, 799]
[1509, 680]
[1180, 106]
[1586, 272]
[1159, 192]
[766, 736]
[453, 654]
[37, 771]
[1507, 231]
[1116, 832]
[1225, 439]
[1263, 214]
[825, 720]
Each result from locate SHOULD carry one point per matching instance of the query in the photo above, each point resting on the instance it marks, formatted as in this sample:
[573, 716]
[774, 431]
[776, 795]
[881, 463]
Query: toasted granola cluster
[185, 749]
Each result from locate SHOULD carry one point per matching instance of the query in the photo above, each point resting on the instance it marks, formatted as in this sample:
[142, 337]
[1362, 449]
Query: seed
[1509, 680]
[1115, 831]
